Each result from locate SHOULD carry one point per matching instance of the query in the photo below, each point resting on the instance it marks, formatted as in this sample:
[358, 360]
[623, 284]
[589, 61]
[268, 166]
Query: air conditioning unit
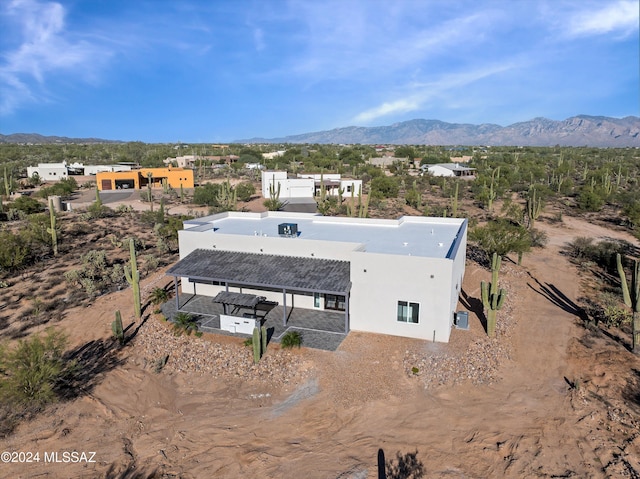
[462, 320]
[288, 230]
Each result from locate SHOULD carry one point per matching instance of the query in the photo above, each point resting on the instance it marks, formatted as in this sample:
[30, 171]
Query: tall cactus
[263, 337]
[149, 192]
[132, 275]
[274, 203]
[52, 230]
[116, 328]
[631, 295]
[7, 184]
[533, 206]
[495, 175]
[227, 196]
[454, 202]
[492, 296]
[363, 207]
[256, 345]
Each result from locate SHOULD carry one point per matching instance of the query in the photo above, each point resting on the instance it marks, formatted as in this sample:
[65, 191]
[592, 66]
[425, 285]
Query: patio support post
[175, 287]
[284, 303]
[346, 313]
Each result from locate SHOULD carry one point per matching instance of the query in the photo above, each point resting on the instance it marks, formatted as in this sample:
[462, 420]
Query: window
[408, 312]
[332, 301]
[348, 188]
[316, 300]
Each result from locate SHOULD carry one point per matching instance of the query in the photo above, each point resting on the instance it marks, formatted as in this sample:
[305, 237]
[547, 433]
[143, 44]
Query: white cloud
[422, 93]
[621, 17]
[45, 48]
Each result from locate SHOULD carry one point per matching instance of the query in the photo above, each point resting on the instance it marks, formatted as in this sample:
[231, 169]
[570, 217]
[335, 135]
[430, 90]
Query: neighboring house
[58, 171]
[386, 161]
[273, 154]
[137, 179]
[307, 185]
[186, 161]
[49, 171]
[253, 166]
[398, 277]
[450, 169]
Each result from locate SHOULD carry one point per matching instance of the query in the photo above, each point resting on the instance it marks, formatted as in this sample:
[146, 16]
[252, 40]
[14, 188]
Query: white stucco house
[308, 185]
[49, 171]
[449, 169]
[398, 277]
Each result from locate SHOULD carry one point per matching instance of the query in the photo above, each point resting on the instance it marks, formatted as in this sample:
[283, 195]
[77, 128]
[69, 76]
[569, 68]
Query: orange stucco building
[137, 179]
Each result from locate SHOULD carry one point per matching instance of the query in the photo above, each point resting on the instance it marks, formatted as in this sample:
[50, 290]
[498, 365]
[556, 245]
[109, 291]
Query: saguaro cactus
[227, 196]
[631, 295]
[256, 345]
[116, 328]
[52, 230]
[133, 278]
[454, 201]
[492, 296]
[263, 336]
[149, 192]
[7, 184]
[533, 207]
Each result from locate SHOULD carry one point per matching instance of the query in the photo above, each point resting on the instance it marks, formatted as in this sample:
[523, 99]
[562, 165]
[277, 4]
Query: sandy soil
[565, 401]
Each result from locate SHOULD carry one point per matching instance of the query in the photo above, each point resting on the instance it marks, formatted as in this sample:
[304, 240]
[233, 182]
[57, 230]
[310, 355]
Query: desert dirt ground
[561, 401]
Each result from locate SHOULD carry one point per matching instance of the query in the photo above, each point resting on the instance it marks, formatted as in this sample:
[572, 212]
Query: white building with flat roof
[450, 169]
[307, 185]
[399, 277]
[49, 171]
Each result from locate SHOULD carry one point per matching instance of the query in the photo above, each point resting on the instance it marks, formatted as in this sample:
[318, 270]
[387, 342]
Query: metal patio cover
[266, 270]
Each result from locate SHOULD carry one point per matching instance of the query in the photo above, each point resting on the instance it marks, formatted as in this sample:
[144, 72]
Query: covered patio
[320, 328]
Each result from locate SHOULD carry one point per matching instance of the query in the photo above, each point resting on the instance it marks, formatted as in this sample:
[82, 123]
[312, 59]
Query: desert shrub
[245, 190]
[124, 209]
[413, 198]
[501, 237]
[64, 187]
[32, 371]
[27, 205]
[384, 187]
[14, 253]
[603, 253]
[167, 233]
[291, 339]
[206, 194]
[607, 310]
[590, 200]
[149, 263]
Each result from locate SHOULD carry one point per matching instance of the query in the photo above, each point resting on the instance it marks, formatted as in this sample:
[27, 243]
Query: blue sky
[217, 70]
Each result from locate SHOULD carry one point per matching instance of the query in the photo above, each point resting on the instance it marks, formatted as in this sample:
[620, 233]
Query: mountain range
[36, 139]
[581, 130]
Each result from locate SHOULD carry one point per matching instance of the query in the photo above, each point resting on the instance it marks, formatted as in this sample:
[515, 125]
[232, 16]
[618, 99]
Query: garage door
[106, 184]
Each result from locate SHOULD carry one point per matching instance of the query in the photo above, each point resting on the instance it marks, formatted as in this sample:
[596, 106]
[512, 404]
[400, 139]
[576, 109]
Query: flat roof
[408, 235]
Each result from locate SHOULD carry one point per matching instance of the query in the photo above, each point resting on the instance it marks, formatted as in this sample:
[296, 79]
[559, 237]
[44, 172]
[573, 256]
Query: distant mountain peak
[579, 130]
